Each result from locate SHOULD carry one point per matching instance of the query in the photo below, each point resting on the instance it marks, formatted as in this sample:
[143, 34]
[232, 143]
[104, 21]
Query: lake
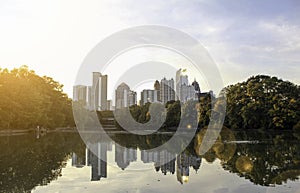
[239, 161]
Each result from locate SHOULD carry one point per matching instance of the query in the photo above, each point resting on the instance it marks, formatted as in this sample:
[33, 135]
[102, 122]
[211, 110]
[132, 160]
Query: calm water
[238, 162]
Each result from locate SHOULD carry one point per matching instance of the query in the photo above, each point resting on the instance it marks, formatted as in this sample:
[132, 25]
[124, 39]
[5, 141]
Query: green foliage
[204, 111]
[28, 100]
[141, 114]
[263, 102]
[173, 113]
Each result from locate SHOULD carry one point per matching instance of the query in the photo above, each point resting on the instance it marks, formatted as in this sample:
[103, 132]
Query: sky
[244, 38]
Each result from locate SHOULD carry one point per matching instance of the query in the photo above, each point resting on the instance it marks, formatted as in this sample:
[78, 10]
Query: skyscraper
[80, 93]
[156, 85]
[89, 98]
[184, 91]
[150, 96]
[181, 80]
[157, 88]
[197, 90]
[132, 98]
[99, 91]
[167, 92]
[124, 96]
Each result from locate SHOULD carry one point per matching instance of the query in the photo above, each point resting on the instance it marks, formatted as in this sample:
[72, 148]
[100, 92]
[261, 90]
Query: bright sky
[243, 37]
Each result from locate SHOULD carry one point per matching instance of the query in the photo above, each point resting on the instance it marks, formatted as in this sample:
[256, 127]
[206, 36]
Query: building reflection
[164, 161]
[97, 159]
[123, 156]
[184, 162]
[78, 161]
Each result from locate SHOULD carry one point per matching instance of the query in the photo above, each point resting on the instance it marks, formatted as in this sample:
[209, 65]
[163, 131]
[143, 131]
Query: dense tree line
[263, 102]
[28, 100]
[173, 113]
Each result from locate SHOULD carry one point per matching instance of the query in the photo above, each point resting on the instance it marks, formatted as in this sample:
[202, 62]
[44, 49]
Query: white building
[185, 91]
[99, 92]
[167, 92]
[124, 96]
[151, 96]
[80, 93]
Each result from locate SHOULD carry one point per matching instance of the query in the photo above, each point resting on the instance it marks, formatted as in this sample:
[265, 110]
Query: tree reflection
[27, 162]
[273, 159]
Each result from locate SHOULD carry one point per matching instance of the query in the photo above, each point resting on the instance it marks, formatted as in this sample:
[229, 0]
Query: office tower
[132, 98]
[157, 88]
[180, 81]
[150, 96]
[187, 92]
[167, 92]
[99, 91]
[124, 96]
[89, 98]
[196, 86]
[156, 85]
[80, 93]
[97, 159]
[184, 91]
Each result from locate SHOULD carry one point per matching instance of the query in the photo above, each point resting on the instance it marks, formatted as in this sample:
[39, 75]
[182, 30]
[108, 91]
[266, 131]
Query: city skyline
[162, 91]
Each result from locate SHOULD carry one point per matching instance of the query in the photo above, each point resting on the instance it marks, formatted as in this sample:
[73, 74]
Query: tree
[263, 102]
[28, 100]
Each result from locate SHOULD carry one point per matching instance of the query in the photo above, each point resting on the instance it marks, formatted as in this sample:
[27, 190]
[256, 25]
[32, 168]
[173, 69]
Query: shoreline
[8, 132]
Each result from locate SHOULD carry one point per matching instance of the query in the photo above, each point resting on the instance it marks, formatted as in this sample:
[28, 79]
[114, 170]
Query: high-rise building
[80, 93]
[167, 92]
[132, 98]
[99, 91]
[124, 96]
[150, 96]
[187, 92]
[197, 89]
[180, 81]
[156, 85]
[89, 98]
[184, 91]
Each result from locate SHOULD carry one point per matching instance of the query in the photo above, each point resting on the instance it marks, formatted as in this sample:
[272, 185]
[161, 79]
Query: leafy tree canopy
[263, 102]
[28, 100]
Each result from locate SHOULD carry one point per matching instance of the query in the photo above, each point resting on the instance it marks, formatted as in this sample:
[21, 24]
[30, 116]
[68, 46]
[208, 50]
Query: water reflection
[27, 162]
[181, 164]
